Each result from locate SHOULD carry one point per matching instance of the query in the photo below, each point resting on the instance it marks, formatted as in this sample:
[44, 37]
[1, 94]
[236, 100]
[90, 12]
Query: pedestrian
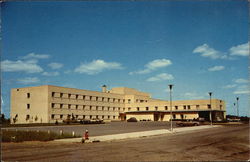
[86, 135]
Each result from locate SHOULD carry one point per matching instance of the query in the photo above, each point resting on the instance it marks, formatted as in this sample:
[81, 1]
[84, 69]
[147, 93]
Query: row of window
[85, 97]
[83, 107]
[69, 106]
[53, 116]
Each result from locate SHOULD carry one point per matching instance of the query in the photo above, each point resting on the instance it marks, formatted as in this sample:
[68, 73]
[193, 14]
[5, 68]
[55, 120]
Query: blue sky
[199, 46]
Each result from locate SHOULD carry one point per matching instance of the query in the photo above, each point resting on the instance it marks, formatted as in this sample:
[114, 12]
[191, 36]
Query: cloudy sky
[199, 46]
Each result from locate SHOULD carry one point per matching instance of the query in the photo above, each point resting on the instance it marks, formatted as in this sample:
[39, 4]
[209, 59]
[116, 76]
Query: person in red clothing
[86, 135]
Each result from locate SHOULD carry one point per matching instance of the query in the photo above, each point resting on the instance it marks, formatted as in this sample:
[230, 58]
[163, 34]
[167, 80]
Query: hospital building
[48, 104]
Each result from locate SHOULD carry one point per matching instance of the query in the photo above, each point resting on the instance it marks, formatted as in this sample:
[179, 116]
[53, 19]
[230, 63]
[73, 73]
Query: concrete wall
[38, 102]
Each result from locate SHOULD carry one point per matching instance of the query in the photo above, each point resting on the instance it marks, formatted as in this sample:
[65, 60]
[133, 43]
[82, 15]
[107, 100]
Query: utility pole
[171, 123]
[237, 98]
[211, 117]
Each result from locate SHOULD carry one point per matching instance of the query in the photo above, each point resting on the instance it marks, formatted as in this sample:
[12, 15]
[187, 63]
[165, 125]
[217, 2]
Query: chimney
[104, 88]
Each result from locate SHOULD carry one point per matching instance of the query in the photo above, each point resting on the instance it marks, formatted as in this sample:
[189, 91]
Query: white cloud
[241, 80]
[193, 95]
[97, 66]
[153, 65]
[216, 68]
[55, 65]
[240, 50]
[35, 56]
[229, 86]
[244, 89]
[28, 80]
[160, 77]
[207, 51]
[29, 66]
[50, 73]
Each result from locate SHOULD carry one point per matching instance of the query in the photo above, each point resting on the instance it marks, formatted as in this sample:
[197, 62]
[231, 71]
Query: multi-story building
[48, 104]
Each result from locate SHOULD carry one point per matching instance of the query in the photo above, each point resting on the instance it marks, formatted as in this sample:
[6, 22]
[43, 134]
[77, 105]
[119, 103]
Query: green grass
[20, 136]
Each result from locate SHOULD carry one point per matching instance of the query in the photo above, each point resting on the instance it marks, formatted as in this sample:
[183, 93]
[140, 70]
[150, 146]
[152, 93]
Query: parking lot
[102, 129]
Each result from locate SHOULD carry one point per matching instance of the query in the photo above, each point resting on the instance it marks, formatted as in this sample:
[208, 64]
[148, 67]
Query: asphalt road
[229, 143]
[102, 129]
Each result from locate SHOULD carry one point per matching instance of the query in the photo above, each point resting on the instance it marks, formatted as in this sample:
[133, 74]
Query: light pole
[170, 93]
[235, 109]
[210, 95]
[237, 98]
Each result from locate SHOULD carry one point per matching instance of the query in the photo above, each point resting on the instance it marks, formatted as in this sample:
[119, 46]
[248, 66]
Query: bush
[20, 136]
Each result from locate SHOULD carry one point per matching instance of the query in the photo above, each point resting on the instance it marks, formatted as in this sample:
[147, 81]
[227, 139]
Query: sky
[199, 46]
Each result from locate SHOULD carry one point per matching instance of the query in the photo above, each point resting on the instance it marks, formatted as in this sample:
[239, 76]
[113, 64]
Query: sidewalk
[137, 134]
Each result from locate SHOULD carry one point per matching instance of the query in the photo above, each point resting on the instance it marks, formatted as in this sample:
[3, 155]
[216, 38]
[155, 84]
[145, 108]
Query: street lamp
[170, 88]
[210, 95]
[237, 98]
[235, 109]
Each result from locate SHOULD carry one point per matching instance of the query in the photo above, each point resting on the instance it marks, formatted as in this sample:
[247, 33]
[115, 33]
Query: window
[189, 107]
[53, 94]
[108, 99]
[129, 100]
[52, 116]
[83, 107]
[103, 117]
[27, 117]
[76, 107]
[119, 108]
[108, 117]
[184, 107]
[209, 106]
[76, 116]
[90, 116]
[83, 97]
[108, 108]
[102, 108]
[123, 100]
[90, 97]
[156, 108]
[28, 106]
[77, 96]
[136, 100]
[97, 117]
[119, 100]
[113, 117]
[129, 108]
[138, 109]
[197, 106]
[174, 116]
[90, 107]
[28, 95]
[114, 100]
[141, 101]
[220, 107]
[113, 108]
[166, 108]
[61, 116]
[69, 95]
[176, 107]
[69, 106]
[96, 107]
[83, 116]
[96, 98]
[102, 99]
[147, 108]
[52, 105]
[61, 95]
[124, 109]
